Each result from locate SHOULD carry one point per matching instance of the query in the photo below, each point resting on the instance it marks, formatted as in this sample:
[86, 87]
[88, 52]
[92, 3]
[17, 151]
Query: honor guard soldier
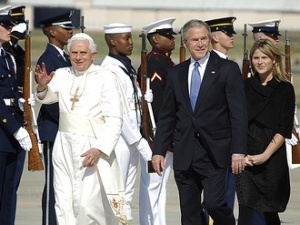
[267, 29]
[222, 40]
[222, 35]
[152, 198]
[58, 29]
[130, 145]
[13, 136]
[18, 32]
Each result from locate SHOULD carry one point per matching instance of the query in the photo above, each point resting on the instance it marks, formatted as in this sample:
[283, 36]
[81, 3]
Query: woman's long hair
[269, 49]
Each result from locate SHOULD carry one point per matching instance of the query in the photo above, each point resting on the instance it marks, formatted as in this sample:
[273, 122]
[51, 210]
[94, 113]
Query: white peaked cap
[160, 25]
[4, 11]
[266, 23]
[267, 26]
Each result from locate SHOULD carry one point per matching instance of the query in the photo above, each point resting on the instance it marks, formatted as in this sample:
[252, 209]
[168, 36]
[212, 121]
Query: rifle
[182, 48]
[82, 27]
[147, 113]
[288, 70]
[246, 69]
[34, 158]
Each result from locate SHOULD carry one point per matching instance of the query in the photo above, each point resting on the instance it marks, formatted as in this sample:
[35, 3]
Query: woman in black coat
[264, 185]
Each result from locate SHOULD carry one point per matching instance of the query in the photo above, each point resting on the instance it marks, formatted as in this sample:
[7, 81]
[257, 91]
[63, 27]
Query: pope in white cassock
[87, 180]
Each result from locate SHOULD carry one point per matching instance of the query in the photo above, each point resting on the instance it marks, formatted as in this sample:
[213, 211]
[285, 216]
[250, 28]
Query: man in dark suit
[208, 133]
[13, 137]
[58, 29]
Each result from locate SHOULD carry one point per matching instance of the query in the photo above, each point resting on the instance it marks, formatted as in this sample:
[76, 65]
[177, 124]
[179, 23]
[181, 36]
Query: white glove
[293, 141]
[31, 100]
[21, 28]
[144, 149]
[23, 138]
[149, 96]
[139, 93]
[21, 102]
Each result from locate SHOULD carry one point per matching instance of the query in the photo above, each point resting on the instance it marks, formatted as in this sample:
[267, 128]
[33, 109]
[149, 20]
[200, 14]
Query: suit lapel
[183, 82]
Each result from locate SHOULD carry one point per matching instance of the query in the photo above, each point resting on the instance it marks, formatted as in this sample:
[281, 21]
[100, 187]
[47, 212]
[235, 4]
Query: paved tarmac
[30, 192]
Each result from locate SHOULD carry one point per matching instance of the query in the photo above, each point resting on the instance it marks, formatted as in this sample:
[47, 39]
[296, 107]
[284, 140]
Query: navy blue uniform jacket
[11, 117]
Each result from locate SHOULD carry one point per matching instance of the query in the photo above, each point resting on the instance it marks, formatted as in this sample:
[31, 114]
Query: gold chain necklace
[75, 97]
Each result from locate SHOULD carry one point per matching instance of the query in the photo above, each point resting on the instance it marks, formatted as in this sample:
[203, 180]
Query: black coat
[270, 104]
[266, 187]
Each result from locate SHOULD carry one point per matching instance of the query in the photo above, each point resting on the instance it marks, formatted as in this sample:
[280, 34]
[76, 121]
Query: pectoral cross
[73, 100]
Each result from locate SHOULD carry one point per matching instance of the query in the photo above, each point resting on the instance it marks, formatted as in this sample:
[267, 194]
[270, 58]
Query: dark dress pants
[203, 175]
[8, 163]
[48, 198]
[17, 179]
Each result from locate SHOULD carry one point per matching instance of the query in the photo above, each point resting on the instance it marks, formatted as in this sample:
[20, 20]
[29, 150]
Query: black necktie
[66, 56]
[4, 58]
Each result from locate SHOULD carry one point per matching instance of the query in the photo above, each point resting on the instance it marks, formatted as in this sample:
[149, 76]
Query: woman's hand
[258, 159]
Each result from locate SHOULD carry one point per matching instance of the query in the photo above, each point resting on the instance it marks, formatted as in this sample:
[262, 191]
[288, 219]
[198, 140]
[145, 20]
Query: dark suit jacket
[219, 118]
[49, 114]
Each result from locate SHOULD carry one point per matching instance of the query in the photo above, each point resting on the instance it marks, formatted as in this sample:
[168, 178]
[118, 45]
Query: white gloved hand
[293, 141]
[149, 96]
[139, 93]
[21, 102]
[143, 147]
[21, 28]
[31, 100]
[23, 138]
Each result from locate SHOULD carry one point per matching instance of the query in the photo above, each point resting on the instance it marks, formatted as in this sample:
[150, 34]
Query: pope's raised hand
[42, 77]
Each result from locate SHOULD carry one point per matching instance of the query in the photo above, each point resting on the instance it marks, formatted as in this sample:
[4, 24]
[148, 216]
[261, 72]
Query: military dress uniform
[18, 55]
[158, 63]
[152, 197]
[130, 145]
[225, 25]
[11, 120]
[54, 58]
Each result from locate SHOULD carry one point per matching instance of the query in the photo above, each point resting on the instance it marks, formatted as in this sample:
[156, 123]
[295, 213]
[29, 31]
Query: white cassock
[87, 195]
[126, 152]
